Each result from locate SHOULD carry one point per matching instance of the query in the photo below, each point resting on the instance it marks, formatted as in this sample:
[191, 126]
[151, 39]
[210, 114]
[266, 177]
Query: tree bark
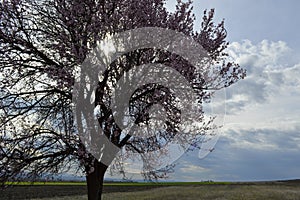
[95, 181]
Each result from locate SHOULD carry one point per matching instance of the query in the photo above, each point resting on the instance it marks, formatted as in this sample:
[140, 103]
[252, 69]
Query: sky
[260, 139]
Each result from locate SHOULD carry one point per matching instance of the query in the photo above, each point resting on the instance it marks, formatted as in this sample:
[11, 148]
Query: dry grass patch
[207, 192]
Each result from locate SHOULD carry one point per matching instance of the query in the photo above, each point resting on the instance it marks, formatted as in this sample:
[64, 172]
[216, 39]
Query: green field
[279, 190]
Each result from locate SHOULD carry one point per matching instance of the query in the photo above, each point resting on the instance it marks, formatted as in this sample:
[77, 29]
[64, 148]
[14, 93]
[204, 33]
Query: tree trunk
[95, 181]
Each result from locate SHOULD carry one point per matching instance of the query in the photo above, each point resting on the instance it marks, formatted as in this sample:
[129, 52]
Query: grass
[221, 192]
[164, 183]
[55, 183]
[174, 190]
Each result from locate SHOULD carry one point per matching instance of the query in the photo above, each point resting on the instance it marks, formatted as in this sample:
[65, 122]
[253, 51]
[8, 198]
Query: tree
[42, 45]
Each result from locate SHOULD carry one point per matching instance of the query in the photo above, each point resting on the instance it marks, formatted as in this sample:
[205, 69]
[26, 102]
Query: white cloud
[266, 139]
[262, 111]
[265, 53]
[261, 135]
[190, 168]
[271, 75]
[245, 155]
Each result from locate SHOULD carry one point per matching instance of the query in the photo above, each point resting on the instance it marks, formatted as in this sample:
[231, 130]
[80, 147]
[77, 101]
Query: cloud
[246, 155]
[267, 139]
[190, 168]
[260, 139]
[272, 72]
[265, 53]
